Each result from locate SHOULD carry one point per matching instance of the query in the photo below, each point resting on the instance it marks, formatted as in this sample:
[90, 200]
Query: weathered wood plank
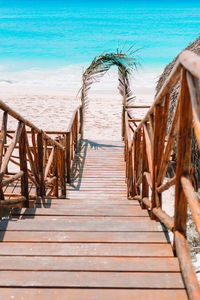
[91, 294]
[82, 236]
[183, 155]
[91, 279]
[90, 201]
[128, 264]
[86, 249]
[112, 211]
[84, 224]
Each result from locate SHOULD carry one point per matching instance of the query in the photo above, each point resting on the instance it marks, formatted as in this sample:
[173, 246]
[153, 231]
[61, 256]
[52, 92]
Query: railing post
[62, 164]
[145, 186]
[132, 193]
[81, 121]
[129, 181]
[156, 199]
[41, 190]
[2, 149]
[134, 166]
[76, 132]
[63, 175]
[23, 166]
[68, 157]
[183, 155]
[55, 167]
[135, 163]
[123, 122]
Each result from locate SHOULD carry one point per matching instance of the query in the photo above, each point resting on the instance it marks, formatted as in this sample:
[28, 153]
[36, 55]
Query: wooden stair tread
[120, 264]
[84, 211]
[87, 249]
[83, 236]
[77, 223]
[91, 279]
[91, 294]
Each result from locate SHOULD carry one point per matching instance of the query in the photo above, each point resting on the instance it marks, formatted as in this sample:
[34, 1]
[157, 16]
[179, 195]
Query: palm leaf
[126, 63]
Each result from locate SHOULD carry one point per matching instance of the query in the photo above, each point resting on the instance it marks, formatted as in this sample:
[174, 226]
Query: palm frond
[126, 64]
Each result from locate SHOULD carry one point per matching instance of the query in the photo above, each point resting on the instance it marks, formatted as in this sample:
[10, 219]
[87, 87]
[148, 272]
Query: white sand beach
[49, 103]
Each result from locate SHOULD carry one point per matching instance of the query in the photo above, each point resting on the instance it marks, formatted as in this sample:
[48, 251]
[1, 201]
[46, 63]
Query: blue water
[53, 34]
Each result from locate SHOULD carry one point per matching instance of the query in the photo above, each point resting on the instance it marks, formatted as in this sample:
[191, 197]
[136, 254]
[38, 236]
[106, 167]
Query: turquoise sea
[49, 34]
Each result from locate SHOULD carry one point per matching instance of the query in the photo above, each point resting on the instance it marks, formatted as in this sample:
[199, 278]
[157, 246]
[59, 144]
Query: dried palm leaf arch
[126, 64]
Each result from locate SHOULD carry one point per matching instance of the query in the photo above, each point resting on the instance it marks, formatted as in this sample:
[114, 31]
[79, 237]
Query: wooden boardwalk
[95, 244]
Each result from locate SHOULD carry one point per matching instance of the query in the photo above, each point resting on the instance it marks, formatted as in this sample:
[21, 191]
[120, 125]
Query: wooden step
[91, 279]
[86, 211]
[91, 294]
[120, 264]
[84, 224]
[82, 236]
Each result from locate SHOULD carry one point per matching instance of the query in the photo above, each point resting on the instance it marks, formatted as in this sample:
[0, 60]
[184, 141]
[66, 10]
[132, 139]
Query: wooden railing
[29, 157]
[72, 136]
[150, 151]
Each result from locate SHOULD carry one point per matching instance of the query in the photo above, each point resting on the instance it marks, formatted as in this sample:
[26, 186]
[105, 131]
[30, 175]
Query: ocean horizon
[56, 40]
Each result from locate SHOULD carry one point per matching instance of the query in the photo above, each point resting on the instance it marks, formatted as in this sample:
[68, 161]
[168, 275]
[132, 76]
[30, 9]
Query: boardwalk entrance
[87, 218]
[95, 244]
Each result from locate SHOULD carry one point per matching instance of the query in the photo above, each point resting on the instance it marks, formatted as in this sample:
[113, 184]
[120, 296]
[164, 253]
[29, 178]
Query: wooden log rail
[74, 132]
[149, 153]
[30, 156]
[133, 121]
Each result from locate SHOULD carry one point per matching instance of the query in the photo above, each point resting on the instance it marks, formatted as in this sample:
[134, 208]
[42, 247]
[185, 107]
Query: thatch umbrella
[195, 159]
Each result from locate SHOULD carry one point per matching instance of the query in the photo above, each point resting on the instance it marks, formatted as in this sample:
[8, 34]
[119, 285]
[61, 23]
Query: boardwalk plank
[91, 294]
[119, 264]
[86, 249]
[91, 279]
[84, 224]
[93, 236]
[126, 211]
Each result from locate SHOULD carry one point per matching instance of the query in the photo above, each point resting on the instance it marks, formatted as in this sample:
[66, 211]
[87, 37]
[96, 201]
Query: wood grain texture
[119, 264]
[91, 279]
[91, 294]
[82, 237]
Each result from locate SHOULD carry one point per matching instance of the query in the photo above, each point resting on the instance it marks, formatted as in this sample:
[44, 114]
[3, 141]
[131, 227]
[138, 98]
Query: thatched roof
[195, 158]
[194, 47]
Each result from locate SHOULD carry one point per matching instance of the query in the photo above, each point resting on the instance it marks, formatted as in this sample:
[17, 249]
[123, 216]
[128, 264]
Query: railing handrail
[187, 59]
[72, 118]
[18, 117]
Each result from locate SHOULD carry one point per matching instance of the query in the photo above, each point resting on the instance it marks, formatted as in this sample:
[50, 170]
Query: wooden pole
[68, 157]
[23, 166]
[145, 186]
[188, 272]
[156, 200]
[76, 132]
[183, 155]
[56, 173]
[41, 191]
[2, 142]
[81, 121]
[63, 175]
